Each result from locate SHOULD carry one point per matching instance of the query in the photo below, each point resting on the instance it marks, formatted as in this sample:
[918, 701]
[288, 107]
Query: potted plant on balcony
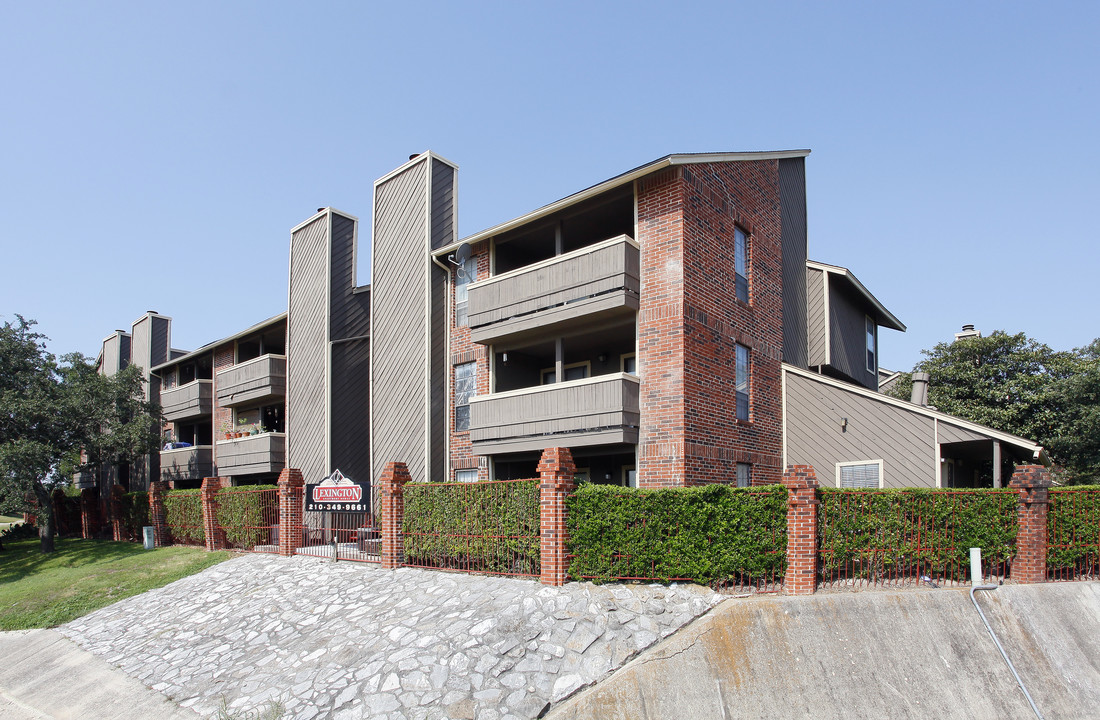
[227, 429]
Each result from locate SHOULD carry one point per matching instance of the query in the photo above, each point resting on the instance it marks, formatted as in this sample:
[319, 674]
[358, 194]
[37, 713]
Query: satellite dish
[461, 255]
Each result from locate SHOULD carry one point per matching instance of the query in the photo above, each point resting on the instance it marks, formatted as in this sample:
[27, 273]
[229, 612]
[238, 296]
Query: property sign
[337, 493]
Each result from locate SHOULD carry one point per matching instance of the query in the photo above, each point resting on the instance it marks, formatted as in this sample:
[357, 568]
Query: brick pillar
[391, 495]
[556, 471]
[115, 505]
[291, 506]
[802, 504]
[215, 535]
[158, 517]
[89, 523]
[1033, 484]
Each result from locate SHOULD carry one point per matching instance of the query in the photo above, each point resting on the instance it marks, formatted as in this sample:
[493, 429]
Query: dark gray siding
[815, 317]
[792, 197]
[877, 430]
[307, 350]
[399, 318]
[349, 323]
[443, 204]
[439, 354]
[847, 338]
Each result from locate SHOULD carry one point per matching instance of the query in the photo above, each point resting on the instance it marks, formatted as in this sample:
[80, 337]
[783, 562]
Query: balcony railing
[589, 284]
[252, 454]
[191, 463]
[595, 411]
[258, 379]
[194, 399]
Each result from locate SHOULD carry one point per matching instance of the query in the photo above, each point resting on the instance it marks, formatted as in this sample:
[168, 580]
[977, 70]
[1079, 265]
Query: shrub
[711, 534]
[872, 534]
[135, 514]
[183, 515]
[247, 513]
[1073, 529]
[485, 526]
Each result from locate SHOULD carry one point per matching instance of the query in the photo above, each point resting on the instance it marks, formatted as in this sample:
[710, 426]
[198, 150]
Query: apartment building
[665, 324]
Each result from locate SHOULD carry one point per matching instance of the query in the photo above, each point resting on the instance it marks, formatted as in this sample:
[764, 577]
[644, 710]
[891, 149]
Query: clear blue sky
[156, 155]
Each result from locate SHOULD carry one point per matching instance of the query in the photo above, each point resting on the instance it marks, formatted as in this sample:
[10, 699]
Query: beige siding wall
[815, 316]
[904, 441]
[307, 351]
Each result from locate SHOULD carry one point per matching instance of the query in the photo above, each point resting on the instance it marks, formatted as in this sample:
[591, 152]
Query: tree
[50, 411]
[1018, 385]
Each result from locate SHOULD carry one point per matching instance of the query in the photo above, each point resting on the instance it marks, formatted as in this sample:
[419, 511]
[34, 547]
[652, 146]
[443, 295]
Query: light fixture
[504, 358]
[602, 357]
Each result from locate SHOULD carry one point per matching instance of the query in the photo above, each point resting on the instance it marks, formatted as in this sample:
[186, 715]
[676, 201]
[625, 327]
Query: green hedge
[135, 514]
[246, 516]
[486, 527]
[712, 534]
[1073, 529]
[183, 514]
[872, 534]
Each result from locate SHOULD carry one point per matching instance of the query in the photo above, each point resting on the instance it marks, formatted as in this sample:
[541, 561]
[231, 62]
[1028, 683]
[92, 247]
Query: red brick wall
[463, 350]
[690, 322]
[224, 357]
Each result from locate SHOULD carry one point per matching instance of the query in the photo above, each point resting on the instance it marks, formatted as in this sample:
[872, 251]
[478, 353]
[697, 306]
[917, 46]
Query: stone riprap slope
[349, 640]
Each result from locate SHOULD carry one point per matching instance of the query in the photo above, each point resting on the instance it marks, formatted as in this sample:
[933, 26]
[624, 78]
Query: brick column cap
[557, 461]
[1030, 476]
[394, 477]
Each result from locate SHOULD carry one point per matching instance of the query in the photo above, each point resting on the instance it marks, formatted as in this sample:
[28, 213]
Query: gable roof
[883, 316]
[622, 179]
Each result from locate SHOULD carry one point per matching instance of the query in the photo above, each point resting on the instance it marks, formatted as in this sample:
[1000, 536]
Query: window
[465, 274]
[465, 388]
[740, 264]
[629, 364]
[582, 475]
[862, 474]
[630, 476]
[744, 475]
[743, 378]
[574, 371]
[466, 476]
[871, 344]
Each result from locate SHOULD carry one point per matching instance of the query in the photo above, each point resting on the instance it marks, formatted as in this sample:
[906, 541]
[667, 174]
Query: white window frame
[881, 475]
[454, 394]
[622, 363]
[748, 382]
[587, 373]
[463, 475]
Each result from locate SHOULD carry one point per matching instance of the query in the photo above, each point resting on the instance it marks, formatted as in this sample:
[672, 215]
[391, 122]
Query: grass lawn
[42, 591]
[7, 520]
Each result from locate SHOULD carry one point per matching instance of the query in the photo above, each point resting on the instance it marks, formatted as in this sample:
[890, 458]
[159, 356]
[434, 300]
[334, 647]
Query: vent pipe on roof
[968, 331]
[920, 388]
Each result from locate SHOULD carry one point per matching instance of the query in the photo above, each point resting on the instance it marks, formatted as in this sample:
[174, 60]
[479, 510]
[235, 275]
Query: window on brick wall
[465, 388]
[744, 475]
[860, 474]
[744, 368]
[466, 476]
[465, 274]
[741, 264]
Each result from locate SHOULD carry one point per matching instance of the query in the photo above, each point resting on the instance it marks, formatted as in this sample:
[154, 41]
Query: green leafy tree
[51, 410]
[1018, 385]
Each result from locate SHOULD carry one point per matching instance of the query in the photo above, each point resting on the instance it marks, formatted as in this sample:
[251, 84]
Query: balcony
[188, 401]
[253, 380]
[595, 411]
[191, 463]
[583, 287]
[264, 453]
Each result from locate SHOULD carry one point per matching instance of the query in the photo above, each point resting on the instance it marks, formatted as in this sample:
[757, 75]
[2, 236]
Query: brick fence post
[158, 517]
[215, 534]
[556, 472]
[1033, 484]
[291, 508]
[802, 504]
[88, 503]
[391, 496]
